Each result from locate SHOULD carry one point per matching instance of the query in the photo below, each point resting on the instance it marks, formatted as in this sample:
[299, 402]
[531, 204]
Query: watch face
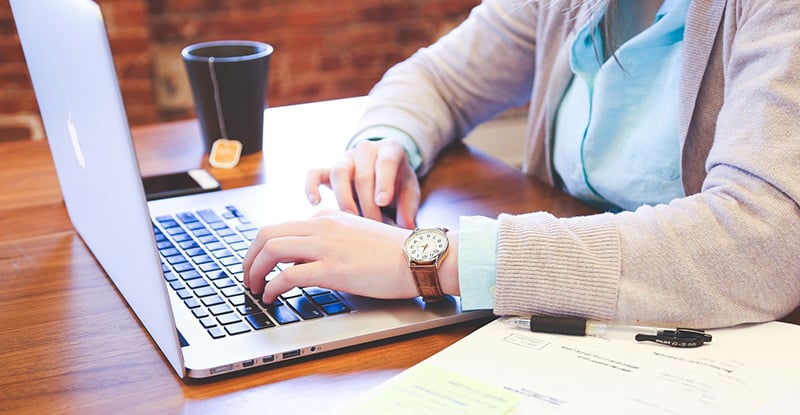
[426, 244]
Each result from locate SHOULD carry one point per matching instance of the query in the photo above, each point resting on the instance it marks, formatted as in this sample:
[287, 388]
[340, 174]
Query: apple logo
[76, 146]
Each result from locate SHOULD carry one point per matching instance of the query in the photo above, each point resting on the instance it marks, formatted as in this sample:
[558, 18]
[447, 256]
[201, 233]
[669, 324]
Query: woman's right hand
[372, 175]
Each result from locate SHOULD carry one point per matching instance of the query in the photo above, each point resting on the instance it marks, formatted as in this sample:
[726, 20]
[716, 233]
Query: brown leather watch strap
[426, 277]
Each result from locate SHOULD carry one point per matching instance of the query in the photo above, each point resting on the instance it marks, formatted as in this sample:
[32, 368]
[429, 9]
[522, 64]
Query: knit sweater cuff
[568, 266]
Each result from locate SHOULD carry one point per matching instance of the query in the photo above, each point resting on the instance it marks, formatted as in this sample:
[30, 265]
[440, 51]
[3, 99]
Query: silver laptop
[177, 261]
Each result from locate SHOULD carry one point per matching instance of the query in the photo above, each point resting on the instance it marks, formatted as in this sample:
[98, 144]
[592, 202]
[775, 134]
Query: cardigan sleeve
[476, 71]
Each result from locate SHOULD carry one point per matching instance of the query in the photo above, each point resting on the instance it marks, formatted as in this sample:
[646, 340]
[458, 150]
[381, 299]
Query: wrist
[448, 270]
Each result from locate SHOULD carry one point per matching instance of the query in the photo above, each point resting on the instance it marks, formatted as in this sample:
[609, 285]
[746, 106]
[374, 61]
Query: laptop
[177, 261]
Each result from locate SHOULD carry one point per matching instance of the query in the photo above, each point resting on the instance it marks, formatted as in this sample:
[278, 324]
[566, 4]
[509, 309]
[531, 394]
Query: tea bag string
[223, 131]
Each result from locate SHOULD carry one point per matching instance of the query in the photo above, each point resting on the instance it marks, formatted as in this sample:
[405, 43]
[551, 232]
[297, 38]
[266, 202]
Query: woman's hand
[332, 250]
[372, 175]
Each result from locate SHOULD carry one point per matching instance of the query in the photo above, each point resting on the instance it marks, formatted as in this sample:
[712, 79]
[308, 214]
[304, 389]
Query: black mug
[229, 86]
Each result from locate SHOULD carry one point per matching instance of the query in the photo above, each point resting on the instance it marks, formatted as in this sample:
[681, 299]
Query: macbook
[177, 261]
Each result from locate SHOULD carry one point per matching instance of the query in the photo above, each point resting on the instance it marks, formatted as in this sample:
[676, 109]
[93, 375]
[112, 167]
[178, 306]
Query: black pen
[576, 326]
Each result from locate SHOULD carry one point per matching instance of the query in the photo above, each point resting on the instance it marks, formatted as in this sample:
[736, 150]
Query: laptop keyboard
[201, 255]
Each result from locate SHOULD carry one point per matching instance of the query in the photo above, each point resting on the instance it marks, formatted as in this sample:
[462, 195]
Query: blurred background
[323, 50]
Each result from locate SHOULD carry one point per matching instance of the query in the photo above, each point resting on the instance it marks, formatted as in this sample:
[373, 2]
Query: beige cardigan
[728, 253]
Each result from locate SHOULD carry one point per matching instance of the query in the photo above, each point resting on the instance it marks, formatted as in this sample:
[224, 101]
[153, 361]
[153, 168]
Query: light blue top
[618, 151]
[599, 150]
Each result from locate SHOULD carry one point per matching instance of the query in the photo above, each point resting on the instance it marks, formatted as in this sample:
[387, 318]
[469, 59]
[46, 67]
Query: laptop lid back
[69, 59]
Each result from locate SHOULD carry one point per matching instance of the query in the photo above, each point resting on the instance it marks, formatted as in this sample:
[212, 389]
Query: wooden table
[70, 344]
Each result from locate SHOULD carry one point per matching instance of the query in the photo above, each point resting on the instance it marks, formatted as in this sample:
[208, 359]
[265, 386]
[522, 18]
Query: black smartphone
[179, 184]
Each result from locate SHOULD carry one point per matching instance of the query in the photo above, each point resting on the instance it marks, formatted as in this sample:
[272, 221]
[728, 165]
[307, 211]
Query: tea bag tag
[225, 153]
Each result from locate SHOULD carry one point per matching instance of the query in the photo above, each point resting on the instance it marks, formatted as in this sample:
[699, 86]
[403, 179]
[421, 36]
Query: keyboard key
[238, 300]
[202, 259]
[184, 294]
[216, 332]
[214, 246]
[259, 321]
[304, 307]
[181, 238]
[204, 291]
[201, 232]
[208, 322]
[211, 266]
[191, 303]
[193, 252]
[197, 283]
[240, 246]
[174, 230]
[216, 274]
[246, 227]
[282, 314]
[220, 309]
[250, 234]
[208, 216]
[169, 251]
[195, 225]
[237, 328]
[315, 290]
[183, 266]
[163, 218]
[212, 300]
[190, 274]
[224, 283]
[175, 259]
[326, 298]
[163, 243]
[247, 308]
[294, 292]
[200, 312]
[170, 276]
[231, 261]
[232, 239]
[188, 244]
[335, 308]
[221, 253]
[232, 291]
[186, 217]
[228, 318]
[217, 225]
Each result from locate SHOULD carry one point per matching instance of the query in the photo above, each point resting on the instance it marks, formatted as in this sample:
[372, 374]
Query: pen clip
[683, 338]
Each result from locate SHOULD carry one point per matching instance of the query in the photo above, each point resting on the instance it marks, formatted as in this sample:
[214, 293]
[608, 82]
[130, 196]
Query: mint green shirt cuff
[477, 262]
[379, 132]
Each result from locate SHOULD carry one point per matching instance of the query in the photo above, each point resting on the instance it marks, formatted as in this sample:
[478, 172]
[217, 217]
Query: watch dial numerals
[426, 245]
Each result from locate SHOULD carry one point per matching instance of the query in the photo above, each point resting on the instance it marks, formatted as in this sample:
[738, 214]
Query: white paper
[744, 370]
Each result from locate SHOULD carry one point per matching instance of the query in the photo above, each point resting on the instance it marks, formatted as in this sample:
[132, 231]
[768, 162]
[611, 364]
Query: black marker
[576, 326]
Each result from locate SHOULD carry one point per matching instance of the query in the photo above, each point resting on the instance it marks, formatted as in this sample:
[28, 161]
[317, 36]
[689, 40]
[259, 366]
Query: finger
[341, 177]
[315, 179]
[387, 165]
[250, 256]
[278, 250]
[300, 275]
[364, 180]
[408, 199]
[255, 264]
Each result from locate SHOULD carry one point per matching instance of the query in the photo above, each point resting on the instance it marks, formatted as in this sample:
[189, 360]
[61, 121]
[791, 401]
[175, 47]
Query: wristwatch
[425, 249]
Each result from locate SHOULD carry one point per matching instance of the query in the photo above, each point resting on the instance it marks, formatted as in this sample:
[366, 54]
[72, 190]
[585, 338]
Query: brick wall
[323, 49]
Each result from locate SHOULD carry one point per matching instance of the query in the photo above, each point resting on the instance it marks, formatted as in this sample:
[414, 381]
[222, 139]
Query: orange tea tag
[225, 153]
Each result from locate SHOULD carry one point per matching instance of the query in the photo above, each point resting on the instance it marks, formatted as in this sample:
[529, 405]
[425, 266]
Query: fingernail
[382, 198]
[313, 199]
